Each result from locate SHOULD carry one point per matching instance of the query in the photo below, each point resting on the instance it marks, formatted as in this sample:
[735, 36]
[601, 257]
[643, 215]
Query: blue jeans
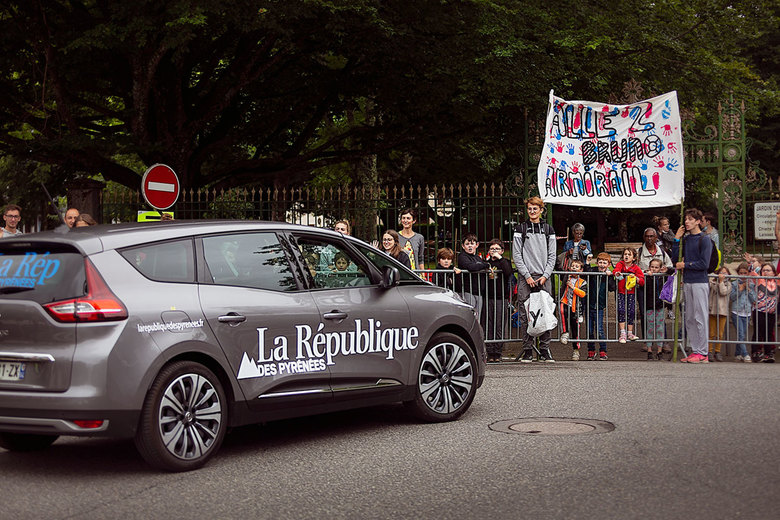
[596, 324]
[741, 324]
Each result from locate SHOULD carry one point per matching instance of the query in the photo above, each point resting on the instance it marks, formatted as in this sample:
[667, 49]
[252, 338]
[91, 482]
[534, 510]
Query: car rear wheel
[26, 441]
[184, 418]
[446, 379]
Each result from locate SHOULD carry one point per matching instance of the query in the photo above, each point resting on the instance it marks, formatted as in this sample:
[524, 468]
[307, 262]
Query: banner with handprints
[613, 156]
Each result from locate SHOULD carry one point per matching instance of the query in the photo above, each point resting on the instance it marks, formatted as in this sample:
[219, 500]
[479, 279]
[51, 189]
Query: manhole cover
[552, 426]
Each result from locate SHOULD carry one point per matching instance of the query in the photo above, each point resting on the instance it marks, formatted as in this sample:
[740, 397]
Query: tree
[239, 92]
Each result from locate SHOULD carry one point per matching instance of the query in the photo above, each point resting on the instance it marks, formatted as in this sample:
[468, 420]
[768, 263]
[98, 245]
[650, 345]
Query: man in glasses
[533, 250]
[12, 214]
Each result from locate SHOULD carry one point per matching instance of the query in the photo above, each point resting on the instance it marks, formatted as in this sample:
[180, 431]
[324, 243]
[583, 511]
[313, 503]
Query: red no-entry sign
[160, 186]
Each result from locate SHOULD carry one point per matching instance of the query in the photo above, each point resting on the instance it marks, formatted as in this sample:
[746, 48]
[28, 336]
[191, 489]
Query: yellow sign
[154, 216]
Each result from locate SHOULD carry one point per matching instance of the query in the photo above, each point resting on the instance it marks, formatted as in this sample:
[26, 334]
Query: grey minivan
[173, 332]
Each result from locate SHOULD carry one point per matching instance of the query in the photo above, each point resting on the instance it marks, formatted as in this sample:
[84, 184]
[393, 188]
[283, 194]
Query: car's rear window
[41, 272]
[170, 261]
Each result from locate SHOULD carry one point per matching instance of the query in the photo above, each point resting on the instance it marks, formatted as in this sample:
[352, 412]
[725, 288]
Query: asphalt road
[689, 442]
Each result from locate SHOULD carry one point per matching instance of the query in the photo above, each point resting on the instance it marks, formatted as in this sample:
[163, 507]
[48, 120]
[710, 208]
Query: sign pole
[678, 283]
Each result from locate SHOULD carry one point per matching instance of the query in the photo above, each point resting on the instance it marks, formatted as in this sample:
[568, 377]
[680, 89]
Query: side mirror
[390, 277]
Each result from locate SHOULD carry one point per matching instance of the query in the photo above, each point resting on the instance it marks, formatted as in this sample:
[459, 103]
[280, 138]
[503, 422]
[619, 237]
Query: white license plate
[11, 371]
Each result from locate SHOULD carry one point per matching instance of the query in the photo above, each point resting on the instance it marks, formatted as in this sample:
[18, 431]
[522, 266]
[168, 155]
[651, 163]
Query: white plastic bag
[540, 310]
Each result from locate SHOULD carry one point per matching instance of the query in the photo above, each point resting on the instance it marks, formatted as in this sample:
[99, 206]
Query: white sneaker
[564, 338]
[622, 338]
[737, 358]
[575, 356]
[747, 359]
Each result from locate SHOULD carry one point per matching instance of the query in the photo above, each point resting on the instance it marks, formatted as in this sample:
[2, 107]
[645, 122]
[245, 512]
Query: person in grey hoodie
[533, 251]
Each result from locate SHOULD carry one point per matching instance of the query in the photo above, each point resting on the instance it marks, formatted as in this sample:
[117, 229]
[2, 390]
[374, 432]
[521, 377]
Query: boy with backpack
[533, 251]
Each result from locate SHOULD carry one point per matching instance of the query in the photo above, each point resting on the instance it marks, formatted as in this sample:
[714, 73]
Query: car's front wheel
[26, 441]
[184, 418]
[446, 379]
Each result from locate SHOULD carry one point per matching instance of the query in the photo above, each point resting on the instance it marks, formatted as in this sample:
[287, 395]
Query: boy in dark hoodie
[473, 284]
[600, 285]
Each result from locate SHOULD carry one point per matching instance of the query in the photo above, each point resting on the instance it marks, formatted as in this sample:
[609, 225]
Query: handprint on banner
[575, 167]
[631, 132]
[643, 165]
[570, 149]
[552, 161]
[672, 165]
[656, 180]
[564, 165]
[666, 113]
[672, 146]
[659, 163]
[629, 164]
[667, 129]
[559, 146]
[551, 147]
[625, 113]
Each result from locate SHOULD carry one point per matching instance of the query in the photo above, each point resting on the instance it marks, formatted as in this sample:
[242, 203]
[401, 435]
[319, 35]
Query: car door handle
[335, 315]
[232, 318]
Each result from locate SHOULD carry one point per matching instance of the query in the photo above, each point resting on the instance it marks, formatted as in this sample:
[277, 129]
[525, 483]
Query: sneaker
[575, 356]
[757, 357]
[659, 356]
[697, 358]
[546, 356]
[650, 355]
[746, 359]
[737, 358]
[603, 356]
[565, 338]
[769, 358]
[710, 357]
[632, 337]
[591, 356]
[527, 357]
[622, 338]
[718, 356]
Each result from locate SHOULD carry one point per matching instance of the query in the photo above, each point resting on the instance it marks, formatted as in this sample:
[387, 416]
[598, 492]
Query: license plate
[11, 371]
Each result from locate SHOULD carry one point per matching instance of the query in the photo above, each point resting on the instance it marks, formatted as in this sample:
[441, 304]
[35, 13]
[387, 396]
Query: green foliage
[230, 204]
[247, 93]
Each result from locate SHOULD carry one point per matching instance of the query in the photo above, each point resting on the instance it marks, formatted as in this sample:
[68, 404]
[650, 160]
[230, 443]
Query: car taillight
[99, 304]
[89, 425]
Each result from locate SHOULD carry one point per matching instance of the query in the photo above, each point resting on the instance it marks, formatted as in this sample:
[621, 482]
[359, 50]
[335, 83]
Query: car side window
[163, 261]
[331, 265]
[254, 260]
[380, 259]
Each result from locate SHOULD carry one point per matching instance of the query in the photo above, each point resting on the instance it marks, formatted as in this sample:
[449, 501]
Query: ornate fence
[445, 213]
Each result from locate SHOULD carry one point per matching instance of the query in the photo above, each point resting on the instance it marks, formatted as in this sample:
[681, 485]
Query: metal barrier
[653, 323]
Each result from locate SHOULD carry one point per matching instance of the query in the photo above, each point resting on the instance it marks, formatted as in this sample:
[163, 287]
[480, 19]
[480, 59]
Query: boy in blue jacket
[697, 248]
[600, 285]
